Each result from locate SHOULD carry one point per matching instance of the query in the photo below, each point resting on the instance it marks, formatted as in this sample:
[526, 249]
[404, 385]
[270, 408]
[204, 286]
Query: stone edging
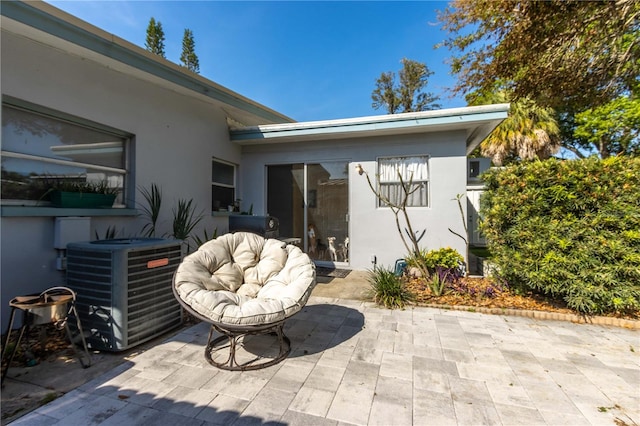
[542, 315]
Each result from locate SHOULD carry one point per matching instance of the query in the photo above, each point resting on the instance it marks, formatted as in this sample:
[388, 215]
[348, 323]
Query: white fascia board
[466, 118]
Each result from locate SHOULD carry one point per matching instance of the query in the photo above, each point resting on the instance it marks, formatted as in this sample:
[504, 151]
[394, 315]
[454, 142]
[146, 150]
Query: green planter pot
[81, 200]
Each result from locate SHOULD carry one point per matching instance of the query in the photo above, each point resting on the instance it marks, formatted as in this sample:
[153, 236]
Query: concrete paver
[355, 363]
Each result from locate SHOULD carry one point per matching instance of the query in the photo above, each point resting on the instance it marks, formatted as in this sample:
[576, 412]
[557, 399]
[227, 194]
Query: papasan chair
[244, 284]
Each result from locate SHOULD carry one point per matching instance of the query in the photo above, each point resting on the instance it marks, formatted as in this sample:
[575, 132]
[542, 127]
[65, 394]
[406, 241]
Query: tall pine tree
[189, 58]
[155, 38]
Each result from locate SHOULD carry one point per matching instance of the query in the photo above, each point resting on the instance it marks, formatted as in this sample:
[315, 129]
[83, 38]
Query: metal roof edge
[469, 116]
[344, 122]
[50, 20]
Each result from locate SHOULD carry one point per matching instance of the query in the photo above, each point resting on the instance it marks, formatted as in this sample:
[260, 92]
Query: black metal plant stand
[53, 305]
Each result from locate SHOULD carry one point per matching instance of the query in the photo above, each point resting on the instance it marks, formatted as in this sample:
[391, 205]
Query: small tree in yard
[464, 238]
[399, 210]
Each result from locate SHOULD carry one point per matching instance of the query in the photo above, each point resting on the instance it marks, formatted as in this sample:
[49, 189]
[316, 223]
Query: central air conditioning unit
[124, 289]
[266, 226]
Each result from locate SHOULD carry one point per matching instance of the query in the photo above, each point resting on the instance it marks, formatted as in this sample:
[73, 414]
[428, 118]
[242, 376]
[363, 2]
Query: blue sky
[307, 60]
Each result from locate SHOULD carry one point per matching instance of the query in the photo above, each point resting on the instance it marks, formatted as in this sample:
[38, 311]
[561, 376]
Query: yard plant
[445, 257]
[568, 229]
[185, 217]
[444, 266]
[153, 198]
[388, 289]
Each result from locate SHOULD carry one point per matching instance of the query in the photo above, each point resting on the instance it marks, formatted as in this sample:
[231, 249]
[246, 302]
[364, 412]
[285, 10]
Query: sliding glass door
[311, 203]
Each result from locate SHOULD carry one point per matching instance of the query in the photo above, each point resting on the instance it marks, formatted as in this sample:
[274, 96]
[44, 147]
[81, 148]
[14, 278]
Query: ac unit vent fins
[124, 289]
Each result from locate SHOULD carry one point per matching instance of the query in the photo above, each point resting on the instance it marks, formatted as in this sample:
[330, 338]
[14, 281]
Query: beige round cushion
[245, 279]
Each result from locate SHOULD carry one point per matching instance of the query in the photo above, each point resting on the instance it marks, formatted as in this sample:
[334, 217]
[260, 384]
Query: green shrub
[569, 229]
[446, 258]
[388, 289]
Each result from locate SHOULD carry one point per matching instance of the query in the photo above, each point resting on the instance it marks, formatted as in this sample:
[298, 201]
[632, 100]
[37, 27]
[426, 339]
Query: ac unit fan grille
[150, 285]
[124, 296]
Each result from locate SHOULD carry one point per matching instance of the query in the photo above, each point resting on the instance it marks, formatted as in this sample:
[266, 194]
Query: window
[474, 169]
[41, 148]
[223, 185]
[415, 175]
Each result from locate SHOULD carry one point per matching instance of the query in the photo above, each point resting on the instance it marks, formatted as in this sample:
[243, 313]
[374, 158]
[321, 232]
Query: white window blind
[415, 176]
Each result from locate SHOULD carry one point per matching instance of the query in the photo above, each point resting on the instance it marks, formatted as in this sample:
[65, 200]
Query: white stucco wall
[372, 230]
[175, 138]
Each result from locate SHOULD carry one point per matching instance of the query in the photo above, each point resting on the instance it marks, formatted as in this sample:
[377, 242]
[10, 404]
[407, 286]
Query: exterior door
[285, 190]
[311, 202]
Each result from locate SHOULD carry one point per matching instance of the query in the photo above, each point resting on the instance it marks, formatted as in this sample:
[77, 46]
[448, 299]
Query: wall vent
[124, 289]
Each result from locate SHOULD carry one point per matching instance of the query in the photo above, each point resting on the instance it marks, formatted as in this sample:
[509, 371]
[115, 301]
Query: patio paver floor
[355, 363]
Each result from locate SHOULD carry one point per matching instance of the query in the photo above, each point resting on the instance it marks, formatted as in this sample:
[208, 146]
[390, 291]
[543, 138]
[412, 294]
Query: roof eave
[63, 26]
[478, 121]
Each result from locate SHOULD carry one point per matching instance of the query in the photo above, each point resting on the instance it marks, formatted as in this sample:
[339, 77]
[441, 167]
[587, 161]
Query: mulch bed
[475, 292]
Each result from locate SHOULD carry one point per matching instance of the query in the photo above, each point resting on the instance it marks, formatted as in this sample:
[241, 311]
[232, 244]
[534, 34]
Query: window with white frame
[223, 185]
[413, 172]
[42, 148]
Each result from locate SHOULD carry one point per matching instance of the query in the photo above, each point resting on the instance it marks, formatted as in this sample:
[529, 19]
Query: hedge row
[569, 229]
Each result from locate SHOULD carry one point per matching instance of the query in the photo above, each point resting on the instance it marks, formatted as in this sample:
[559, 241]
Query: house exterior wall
[167, 127]
[178, 123]
[372, 229]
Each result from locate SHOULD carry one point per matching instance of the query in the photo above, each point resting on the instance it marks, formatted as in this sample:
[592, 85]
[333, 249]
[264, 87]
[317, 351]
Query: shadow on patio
[119, 389]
